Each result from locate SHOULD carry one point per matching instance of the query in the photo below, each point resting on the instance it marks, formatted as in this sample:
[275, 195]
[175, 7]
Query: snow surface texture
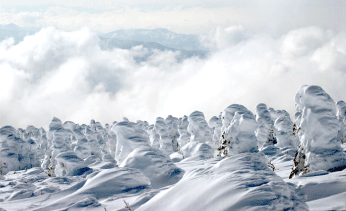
[237, 161]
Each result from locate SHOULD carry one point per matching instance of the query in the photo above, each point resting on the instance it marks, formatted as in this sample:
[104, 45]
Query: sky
[260, 52]
[188, 16]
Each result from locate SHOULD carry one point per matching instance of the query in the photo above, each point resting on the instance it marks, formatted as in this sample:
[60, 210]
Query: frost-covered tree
[172, 129]
[318, 132]
[133, 150]
[284, 128]
[154, 137]
[10, 149]
[341, 114]
[200, 135]
[19, 149]
[215, 125]
[238, 131]
[129, 137]
[59, 140]
[164, 134]
[284, 133]
[265, 133]
[184, 136]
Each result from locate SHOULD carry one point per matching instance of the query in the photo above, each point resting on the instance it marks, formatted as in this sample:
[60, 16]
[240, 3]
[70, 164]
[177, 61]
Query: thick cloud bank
[66, 74]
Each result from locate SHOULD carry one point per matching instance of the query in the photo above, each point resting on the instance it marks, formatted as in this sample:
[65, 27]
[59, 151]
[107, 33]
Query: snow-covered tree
[265, 133]
[318, 132]
[200, 135]
[184, 136]
[341, 114]
[215, 125]
[238, 131]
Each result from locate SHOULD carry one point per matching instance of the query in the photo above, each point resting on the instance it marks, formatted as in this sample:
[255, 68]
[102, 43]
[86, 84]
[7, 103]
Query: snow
[231, 162]
[241, 182]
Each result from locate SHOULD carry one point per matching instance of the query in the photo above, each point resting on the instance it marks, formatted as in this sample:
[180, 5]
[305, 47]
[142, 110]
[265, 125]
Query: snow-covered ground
[239, 161]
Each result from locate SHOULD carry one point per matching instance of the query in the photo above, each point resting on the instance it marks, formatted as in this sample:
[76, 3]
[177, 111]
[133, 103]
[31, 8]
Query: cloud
[67, 75]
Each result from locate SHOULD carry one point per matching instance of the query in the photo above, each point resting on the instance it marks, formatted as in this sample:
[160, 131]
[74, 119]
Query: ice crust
[235, 161]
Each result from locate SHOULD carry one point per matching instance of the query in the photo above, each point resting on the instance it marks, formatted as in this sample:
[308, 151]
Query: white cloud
[67, 75]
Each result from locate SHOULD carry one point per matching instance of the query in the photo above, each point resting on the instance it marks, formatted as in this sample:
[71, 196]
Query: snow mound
[114, 181]
[106, 184]
[68, 164]
[241, 182]
[318, 129]
[155, 165]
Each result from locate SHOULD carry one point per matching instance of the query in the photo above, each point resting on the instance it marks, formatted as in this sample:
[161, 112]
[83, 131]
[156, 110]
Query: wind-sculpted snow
[68, 164]
[318, 129]
[238, 131]
[241, 182]
[115, 181]
[155, 165]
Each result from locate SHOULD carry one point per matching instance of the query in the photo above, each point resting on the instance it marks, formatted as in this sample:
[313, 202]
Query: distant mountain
[157, 39]
[18, 33]
[164, 37]
[111, 43]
